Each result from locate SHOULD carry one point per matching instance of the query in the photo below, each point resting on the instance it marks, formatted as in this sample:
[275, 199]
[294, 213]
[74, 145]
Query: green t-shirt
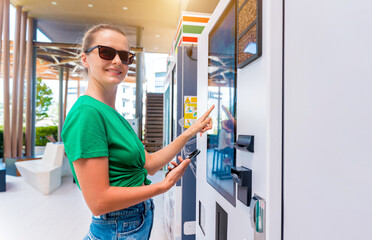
[94, 129]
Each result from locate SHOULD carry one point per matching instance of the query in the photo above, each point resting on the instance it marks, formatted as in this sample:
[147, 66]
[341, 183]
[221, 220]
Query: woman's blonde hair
[89, 37]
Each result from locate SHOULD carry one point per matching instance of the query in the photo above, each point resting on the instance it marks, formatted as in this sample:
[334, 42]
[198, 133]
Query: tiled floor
[25, 213]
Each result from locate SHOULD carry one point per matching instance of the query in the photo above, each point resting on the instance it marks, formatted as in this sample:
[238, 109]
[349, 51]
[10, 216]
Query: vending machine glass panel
[222, 93]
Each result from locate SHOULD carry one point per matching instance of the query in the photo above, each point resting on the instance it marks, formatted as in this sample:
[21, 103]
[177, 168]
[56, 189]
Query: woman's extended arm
[101, 198]
[159, 159]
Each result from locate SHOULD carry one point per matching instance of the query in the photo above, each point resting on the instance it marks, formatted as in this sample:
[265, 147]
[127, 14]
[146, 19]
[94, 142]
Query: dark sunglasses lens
[124, 56]
[131, 59]
[107, 53]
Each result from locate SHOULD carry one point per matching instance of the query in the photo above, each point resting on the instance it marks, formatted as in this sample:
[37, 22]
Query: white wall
[259, 110]
[328, 117]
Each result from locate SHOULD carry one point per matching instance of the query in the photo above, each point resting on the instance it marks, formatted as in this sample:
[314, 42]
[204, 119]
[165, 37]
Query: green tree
[43, 99]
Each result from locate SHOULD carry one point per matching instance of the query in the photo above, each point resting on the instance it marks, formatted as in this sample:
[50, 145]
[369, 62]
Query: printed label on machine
[190, 110]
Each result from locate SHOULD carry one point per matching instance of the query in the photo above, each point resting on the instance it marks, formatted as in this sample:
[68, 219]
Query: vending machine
[289, 156]
[180, 109]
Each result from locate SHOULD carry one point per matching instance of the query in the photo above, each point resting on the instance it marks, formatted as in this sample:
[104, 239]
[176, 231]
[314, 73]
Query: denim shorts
[133, 223]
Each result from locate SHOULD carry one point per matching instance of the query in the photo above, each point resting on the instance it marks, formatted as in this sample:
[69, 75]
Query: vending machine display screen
[222, 93]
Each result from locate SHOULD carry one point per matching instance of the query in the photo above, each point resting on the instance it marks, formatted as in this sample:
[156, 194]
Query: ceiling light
[54, 3]
[90, 5]
[157, 35]
[125, 8]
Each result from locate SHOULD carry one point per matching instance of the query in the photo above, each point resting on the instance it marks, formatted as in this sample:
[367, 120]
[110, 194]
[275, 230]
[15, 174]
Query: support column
[1, 27]
[78, 87]
[66, 92]
[7, 139]
[139, 82]
[60, 104]
[30, 36]
[33, 89]
[1, 36]
[22, 58]
[14, 124]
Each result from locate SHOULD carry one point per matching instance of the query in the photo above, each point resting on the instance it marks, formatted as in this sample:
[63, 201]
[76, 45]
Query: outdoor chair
[45, 174]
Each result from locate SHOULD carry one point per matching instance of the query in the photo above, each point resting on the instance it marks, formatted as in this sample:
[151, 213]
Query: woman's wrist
[188, 133]
[163, 186]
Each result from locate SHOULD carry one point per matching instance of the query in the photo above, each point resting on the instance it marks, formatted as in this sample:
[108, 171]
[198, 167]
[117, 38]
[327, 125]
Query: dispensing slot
[245, 143]
[221, 223]
[243, 177]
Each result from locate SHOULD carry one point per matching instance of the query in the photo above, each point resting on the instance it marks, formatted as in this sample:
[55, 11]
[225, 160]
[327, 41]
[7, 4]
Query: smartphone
[193, 154]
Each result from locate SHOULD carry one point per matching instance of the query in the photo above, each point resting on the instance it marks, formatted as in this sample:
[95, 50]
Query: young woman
[107, 159]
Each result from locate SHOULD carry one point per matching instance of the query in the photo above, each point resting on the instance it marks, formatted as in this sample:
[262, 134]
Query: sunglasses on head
[108, 53]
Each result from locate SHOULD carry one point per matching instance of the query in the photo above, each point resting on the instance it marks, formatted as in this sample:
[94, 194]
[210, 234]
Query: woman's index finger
[205, 115]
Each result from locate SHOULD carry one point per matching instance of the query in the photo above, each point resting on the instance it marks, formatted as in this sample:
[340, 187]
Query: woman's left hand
[174, 165]
[203, 124]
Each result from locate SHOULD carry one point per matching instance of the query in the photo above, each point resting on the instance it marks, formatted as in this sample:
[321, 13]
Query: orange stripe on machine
[195, 19]
[189, 39]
